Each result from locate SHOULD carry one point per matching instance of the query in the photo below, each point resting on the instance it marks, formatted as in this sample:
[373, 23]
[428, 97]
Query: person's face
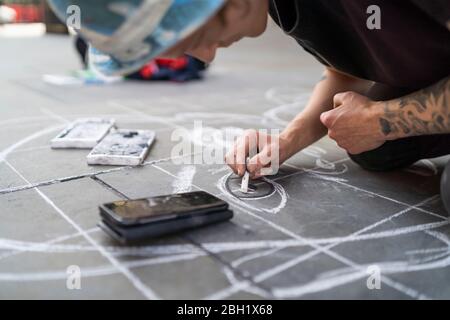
[236, 20]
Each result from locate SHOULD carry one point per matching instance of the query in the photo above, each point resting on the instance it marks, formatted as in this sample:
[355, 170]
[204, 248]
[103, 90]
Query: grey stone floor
[319, 236]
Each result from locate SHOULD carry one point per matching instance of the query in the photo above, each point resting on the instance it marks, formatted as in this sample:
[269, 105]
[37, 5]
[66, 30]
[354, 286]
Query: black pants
[402, 152]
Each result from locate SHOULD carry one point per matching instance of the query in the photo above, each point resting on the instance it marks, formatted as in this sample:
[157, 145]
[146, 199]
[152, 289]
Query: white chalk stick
[245, 181]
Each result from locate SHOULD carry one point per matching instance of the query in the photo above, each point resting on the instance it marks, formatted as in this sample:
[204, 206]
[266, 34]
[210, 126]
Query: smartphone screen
[156, 208]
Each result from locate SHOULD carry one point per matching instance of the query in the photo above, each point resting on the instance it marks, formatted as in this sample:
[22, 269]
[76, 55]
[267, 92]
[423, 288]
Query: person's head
[236, 20]
[126, 34]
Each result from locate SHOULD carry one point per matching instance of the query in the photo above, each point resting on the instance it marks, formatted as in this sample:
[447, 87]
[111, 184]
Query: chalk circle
[257, 189]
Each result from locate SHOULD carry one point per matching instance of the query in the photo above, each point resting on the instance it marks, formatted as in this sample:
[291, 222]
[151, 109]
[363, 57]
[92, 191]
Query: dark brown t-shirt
[411, 50]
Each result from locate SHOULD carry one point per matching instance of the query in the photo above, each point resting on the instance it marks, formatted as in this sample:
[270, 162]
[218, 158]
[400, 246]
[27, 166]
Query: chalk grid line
[30, 186]
[293, 262]
[236, 273]
[197, 187]
[145, 290]
[150, 118]
[319, 249]
[133, 279]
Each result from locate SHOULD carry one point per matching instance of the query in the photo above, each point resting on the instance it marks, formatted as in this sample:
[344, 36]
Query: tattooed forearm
[422, 113]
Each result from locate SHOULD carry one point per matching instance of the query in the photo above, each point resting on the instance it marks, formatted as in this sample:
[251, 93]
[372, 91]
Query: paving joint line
[86, 175]
[134, 280]
[372, 193]
[109, 187]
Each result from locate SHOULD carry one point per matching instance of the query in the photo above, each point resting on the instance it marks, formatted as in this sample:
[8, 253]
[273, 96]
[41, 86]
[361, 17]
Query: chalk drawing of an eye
[264, 195]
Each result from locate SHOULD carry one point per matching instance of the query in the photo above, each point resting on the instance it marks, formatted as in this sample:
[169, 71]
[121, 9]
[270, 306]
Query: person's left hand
[354, 122]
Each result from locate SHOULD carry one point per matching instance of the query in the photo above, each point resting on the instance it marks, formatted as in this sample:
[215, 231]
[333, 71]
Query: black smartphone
[134, 220]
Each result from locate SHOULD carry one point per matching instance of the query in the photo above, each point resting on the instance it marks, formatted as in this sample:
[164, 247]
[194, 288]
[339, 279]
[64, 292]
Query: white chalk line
[88, 175]
[440, 236]
[134, 280]
[37, 120]
[365, 228]
[220, 117]
[54, 116]
[284, 266]
[49, 113]
[386, 267]
[323, 284]
[371, 193]
[214, 247]
[39, 125]
[224, 168]
[378, 235]
[15, 251]
[305, 170]
[4, 154]
[283, 194]
[183, 182]
[7, 151]
[301, 290]
[236, 286]
[144, 115]
[15, 121]
[164, 120]
[271, 95]
[24, 150]
[253, 256]
[435, 234]
[43, 147]
[211, 117]
[221, 185]
[98, 271]
[195, 186]
[426, 251]
[283, 105]
[297, 237]
[430, 258]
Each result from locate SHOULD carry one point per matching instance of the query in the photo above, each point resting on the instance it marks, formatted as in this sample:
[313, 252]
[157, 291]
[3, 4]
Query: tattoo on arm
[422, 113]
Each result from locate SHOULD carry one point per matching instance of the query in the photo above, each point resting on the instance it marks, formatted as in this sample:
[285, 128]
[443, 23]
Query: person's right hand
[269, 151]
